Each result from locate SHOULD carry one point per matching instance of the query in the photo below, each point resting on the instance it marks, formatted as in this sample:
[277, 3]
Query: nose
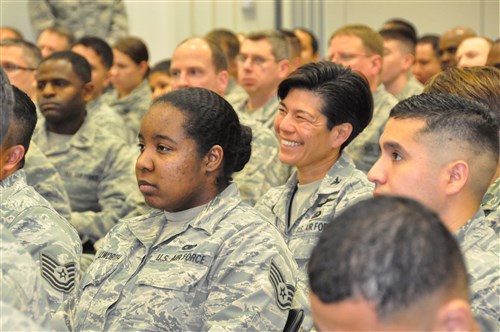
[283, 123]
[180, 81]
[48, 91]
[144, 162]
[376, 173]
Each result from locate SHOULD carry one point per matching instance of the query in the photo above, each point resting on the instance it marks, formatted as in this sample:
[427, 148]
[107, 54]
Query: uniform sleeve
[253, 283]
[118, 195]
[41, 16]
[119, 22]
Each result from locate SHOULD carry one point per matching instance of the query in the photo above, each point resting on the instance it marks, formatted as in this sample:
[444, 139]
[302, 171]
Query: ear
[283, 67]
[376, 65]
[408, 61]
[107, 80]
[223, 80]
[143, 65]
[339, 134]
[12, 157]
[457, 174]
[454, 315]
[214, 158]
[88, 89]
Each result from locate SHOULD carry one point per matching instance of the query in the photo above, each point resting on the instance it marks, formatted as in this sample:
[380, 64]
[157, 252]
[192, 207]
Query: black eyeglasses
[10, 67]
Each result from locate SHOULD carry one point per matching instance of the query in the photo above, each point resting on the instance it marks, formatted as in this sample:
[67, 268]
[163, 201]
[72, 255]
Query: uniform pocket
[179, 276]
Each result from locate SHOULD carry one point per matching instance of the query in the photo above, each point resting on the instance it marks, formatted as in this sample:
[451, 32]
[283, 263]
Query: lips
[48, 106]
[146, 187]
[289, 144]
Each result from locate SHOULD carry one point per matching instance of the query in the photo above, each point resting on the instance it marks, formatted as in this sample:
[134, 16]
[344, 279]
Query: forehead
[192, 53]
[11, 51]
[473, 44]
[402, 131]
[163, 118]
[119, 56]
[56, 69]
[424, 48]
[259, 47]
[344, 43]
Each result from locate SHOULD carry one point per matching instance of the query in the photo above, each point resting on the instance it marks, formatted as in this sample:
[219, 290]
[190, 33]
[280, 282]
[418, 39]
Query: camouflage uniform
[413, 87]
[235, 94]
[97, 170]
[131, 108]
[104, 19]
[341, 187]
[228, 269]
[264, 170]
[15, 320]
[106, 117]
[364, 149]
[43, 176]
[264, 116]
[490, 204]
[49, 238]
[481, 250]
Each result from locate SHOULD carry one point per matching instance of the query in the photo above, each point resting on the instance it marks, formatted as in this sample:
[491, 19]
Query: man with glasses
[19, 59]
[361, 48]
[262, 64]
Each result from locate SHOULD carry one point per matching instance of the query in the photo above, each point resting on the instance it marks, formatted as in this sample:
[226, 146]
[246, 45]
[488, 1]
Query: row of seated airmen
[198, 189]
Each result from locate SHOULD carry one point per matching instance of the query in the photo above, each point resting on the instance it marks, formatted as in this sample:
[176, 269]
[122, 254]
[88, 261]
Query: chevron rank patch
[284, 292]
[61, 277]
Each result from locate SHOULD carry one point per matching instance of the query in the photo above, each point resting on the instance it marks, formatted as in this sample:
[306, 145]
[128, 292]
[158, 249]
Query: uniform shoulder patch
[284, 292]
[60, 277]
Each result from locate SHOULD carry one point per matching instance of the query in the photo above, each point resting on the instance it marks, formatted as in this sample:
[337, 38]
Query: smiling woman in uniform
[201, 258]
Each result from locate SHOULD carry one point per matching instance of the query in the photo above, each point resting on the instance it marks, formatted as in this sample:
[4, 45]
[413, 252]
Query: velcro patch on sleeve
[60, 277]
[284, 292]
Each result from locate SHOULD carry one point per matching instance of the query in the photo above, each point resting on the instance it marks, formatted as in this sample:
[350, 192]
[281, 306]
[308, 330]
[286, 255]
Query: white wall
[163, 24]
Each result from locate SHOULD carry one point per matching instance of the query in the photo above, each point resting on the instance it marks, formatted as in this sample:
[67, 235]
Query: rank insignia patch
[61, 277]
[284, 292]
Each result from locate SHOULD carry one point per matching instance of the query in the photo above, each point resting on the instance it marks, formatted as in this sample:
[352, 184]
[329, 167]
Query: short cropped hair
[345, 95]
[210, 120]
[479, 83]
[79, 64]
[372, 40]
[100, 47]
[433, 40]
[402, 24]
[314, 40]
[61, 31]
[461, 122]
[23, 122]
[389, 251]
[7, 101]
[31, 53]
[404, 37]
[227, 38]
[295, 47]
[280, 47]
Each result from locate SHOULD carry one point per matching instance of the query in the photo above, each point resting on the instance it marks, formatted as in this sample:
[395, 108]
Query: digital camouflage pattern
[412, 88]
[228, 269]
[264, 170]
[106, 117]
[263, 116]
[131, 108]
[43, 176]
[97, 170]
[481, 249]
[364, 149]
[490, 205]
[15, 320]
[101, 18]
[44, 233]
[341, 187]
[235, 94]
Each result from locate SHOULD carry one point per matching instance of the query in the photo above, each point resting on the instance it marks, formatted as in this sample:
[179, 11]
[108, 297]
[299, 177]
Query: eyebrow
[159, 137]
[393, 146]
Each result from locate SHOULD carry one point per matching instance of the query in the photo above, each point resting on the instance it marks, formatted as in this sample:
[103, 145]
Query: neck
[256, 101]
[374, 83]
[312, 173]
[68, 128]
[395, 86]
[458, 212]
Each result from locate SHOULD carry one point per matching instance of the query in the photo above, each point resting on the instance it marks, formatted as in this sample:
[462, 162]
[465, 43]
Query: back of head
[453, 123]
[30, 51]
[7, 101]
[372, 41]
[79, 64]
[133, 47]
[481, 84]
[345, 94]
[227, 40]
[389, 251]
[100, 47]
[211, 120]
[404, 38]
[280, 47]
[23, 121]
